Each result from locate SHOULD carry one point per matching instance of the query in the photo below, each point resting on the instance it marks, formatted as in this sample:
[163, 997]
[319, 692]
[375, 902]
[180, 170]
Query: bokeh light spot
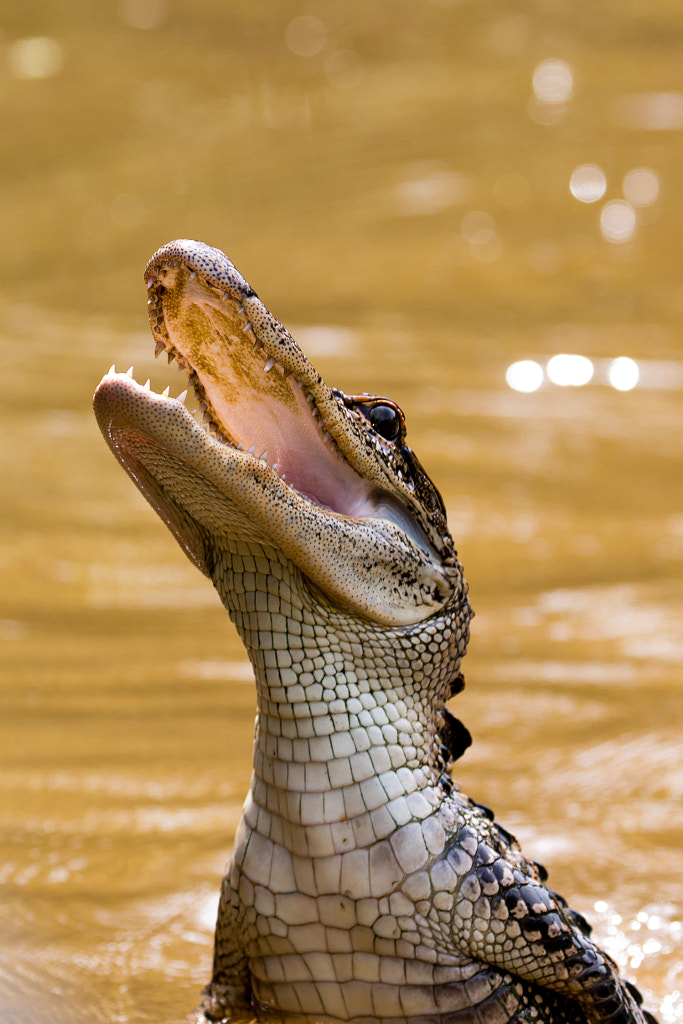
[525, 375]
[36, 57]
[641, 186]
[305, 36]
[568, 370]
[553, 82]
[478, 227]
[624, 373]
[588, 183]
[617, 221]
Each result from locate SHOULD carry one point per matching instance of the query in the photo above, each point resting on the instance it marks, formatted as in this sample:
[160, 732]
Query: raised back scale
[363, 885]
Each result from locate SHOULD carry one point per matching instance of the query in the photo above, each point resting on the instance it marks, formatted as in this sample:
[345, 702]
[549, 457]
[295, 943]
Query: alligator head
[325, 478]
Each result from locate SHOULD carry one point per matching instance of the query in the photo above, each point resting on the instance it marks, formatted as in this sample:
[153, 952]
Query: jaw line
[157, 441]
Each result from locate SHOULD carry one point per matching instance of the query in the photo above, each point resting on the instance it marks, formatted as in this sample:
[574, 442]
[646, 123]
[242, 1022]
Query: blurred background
[471, 207]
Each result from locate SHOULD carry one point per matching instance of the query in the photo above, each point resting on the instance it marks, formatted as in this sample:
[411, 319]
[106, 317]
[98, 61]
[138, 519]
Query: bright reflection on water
[624, 373]
[570, 370]
[641, 186]
[617, 221]
[524, 375]
[553, 82]
[588, 183]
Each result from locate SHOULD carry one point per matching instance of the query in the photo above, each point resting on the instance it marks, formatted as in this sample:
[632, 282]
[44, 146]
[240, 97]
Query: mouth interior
[256, 405]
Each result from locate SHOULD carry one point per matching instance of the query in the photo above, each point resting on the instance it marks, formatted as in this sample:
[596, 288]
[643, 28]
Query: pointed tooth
[240, 311]
[240, 447]
[247, 326]
[181, 397]
[256, 346]
[206, 418]
[193, 275]
[270, 363]
[150, 283]
[171, 356]
[203, 407]
[112, 368]
[129, 371]
[158, 349]
[274, 466]
[224, 296]
[264, 456]
[326, 436]
[166, 391]
[146, 384]
[252, 450]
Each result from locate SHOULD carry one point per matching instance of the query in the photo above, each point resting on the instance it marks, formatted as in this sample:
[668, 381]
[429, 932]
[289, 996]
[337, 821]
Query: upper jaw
[260, 389]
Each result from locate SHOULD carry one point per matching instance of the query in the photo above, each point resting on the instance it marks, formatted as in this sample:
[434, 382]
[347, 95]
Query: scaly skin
[363, 885]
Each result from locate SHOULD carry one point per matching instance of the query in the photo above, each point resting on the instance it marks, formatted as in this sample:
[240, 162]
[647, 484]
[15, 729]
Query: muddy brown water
[395, 182]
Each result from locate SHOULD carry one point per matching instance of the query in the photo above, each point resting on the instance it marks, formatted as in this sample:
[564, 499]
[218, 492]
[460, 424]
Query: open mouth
[278, 458]
[250, 400]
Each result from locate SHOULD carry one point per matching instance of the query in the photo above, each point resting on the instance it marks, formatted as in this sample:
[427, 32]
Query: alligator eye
[386, 421]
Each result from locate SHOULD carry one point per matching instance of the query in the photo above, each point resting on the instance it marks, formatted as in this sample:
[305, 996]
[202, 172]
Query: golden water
[387, 178]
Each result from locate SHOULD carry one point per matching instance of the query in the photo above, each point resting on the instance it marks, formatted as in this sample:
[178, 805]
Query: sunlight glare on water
[570, 370]
[524, 375]
[624, 373]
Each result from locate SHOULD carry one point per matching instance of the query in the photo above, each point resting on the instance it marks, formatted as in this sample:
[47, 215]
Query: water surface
[396, 185]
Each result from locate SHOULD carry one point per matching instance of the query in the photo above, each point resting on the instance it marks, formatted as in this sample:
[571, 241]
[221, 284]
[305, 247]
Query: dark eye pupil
[386, 421]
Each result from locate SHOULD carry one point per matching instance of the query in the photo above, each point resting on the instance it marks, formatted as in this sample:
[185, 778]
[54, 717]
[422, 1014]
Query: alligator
[364, 885]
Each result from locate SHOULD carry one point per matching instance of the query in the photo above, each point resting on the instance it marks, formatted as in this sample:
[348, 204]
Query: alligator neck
[346, 752]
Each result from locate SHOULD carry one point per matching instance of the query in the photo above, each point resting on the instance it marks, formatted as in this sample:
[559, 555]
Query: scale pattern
[363, 885]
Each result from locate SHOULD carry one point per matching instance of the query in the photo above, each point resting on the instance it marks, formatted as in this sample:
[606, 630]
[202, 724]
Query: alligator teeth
[193, 275]
[171, 356]
[166, 391]
[264, 456]
[207, 418]
[181, 397]
[129, 371]
[203, 407]
[146, 384]
[224, 296]
[247, 326]
[270, 363]
[112, 368]
[252, 450]
[241, 311]
[150, 282]
[158, 349]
